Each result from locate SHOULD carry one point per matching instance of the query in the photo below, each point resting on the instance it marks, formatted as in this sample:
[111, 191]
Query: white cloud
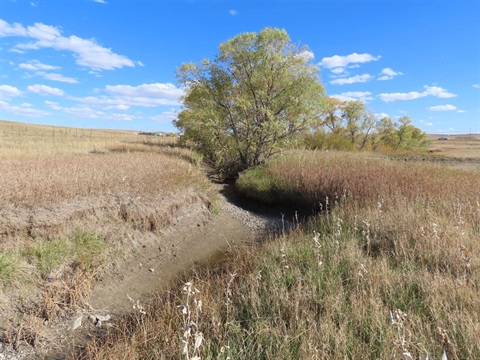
[24, 110]
[447, 107]
[57, 77]
[381, 115]
[166, 116]
[120, 117]
[123, 97]
[412, 95]
[438, 92]
[461, 111]
[45, 90]
[83, 112]
[80, 111]
[354, 95]
[146, 95]
[38, 68]
[14, 29]
[233, 12]
[87, 112]
[121, 107]
[351, 80]
[388, 74]
[388, 97]
[53, 105]
[86, 52]
[338, 70]
[36, 65]
[476, 86]
[342, 61]
[43, 32]
[100, 1]
[7, 92]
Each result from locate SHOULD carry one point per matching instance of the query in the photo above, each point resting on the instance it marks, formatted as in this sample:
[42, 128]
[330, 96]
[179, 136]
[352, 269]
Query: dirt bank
[186, 233]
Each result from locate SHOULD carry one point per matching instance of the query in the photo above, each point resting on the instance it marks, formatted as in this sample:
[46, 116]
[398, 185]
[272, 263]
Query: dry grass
[68, 214]
[457, 146]
[46, 180]
[49, 197]
[390, 271]
[18, 140]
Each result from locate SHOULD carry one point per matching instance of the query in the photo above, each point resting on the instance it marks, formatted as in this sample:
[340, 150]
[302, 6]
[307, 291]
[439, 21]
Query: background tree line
[349, 125]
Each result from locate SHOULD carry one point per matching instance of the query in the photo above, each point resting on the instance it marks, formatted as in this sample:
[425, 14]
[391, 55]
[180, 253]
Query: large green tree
[242, 107]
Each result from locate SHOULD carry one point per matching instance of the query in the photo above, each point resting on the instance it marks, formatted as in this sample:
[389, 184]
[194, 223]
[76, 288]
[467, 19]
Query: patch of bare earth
[152, 242]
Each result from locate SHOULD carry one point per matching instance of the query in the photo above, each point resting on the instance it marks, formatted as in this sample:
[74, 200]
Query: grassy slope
[390, 271]
[64, 211]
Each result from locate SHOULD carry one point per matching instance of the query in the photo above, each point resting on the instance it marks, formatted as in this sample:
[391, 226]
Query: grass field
[19, 140]
[457, 146]
[388, 270]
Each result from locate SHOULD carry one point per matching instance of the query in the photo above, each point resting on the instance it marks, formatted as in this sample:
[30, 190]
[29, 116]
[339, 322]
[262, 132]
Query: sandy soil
[200, 239]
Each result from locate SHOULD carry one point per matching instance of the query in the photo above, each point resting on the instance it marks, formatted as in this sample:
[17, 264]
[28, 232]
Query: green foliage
[258, 184]
[408, 136]
[8, 267]
[247, 103]
[352, 115]
[349, 125]
[320, 140]
[84, 250]
[50, 254]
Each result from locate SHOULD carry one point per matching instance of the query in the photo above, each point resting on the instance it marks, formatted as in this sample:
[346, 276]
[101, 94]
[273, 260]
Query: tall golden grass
[388, 270]
[48, 180]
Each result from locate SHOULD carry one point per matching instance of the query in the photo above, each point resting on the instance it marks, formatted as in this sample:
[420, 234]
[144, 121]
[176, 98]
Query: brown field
[19, 140]
[457, 146]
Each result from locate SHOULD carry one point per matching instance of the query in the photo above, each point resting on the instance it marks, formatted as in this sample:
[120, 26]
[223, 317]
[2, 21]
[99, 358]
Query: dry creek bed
[199, 238]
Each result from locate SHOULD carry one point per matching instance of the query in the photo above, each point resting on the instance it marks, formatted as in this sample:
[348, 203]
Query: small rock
[151, 270]
[102, 318]
[77, 323]
[98, 320]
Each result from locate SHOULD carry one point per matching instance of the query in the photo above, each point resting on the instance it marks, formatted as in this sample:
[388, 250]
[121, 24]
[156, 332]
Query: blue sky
[111, 63]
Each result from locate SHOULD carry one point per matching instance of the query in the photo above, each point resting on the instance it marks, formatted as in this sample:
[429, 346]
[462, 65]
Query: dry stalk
[192, 337]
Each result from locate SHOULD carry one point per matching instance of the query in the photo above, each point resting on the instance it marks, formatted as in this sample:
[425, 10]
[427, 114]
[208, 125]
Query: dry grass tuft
[31, 330]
